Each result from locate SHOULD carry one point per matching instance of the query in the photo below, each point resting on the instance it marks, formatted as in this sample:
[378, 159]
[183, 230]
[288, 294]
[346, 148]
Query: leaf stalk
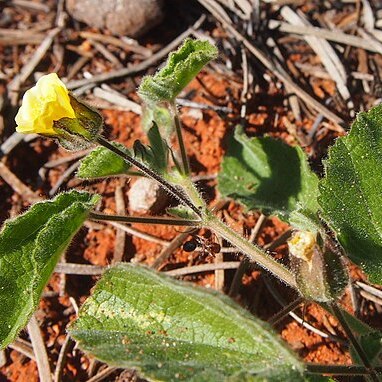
[251, 251]
[189, 196]
[351, 370]
[151, 174]
[143, 219]
[179, 135]
[357, 347]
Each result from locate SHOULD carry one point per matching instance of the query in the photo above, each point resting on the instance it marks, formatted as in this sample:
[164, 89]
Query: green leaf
[30, 246]
[102, 162]
[181, 67]
[368, 338]
[159, 114]
[82, 131]
[350, 193]
[267, 174]
[173, 331]
[155, 156]
[159, 149]
[182, 212]
[372, 346]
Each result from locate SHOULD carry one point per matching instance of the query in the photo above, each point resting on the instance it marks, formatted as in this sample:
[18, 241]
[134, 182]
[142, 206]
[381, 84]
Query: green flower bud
[319, 271]
[79, 132]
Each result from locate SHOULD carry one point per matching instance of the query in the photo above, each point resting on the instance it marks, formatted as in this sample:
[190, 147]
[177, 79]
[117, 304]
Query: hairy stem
[190, 190]
[357, 347]
[178, 129]
[142, 219]
[339, 369]
[252, 251]
[285, 311]
[190, 197]
[151, 174]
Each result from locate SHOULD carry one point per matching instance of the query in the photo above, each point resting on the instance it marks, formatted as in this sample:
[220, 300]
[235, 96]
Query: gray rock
[145, 195]
[123, 17]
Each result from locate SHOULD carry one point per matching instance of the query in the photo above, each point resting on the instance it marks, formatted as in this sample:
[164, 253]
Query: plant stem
[178, 129]
[190, 190]
[285, 311]
[193, 200]
[150, 173]
[357, 347]
[142, 219]
[339, 369]
[250, 250]
[253, 252]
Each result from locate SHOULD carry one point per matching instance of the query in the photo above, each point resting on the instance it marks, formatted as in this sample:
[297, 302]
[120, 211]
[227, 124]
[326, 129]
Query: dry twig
[39, 350]
[17, 185]
[170, 248]
[23, 347]
[118, 99]
[326, 53]
[62, 358]
[10, 143]
[120, 43]
[245, 264]
[138, 233]
[79, 269]
[106, 53]
[278, 72]
[139, 67]
[203, 268]
[102, 374]
[119, 245]
[27, 69]
[64, 177]
[18, 37]
[335, 36]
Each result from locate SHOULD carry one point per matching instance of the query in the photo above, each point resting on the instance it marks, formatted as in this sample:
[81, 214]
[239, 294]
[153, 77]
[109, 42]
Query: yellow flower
[46, 102]
[50, 110]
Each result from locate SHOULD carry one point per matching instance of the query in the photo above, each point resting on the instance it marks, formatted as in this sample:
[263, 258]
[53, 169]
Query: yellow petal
[302, 245]
[46, 102]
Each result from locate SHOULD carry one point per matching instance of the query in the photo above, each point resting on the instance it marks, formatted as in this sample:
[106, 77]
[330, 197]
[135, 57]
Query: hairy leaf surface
[102, 162]
[181, 67]
[173, 331]
[350, 193]
[30, 246]
[269, 175]
[159, 149]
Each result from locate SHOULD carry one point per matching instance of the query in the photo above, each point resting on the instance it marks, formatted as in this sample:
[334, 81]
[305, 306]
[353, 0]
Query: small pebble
[146, 196]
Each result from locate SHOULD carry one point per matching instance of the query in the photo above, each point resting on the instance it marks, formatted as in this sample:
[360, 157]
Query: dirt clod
[121, 17]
